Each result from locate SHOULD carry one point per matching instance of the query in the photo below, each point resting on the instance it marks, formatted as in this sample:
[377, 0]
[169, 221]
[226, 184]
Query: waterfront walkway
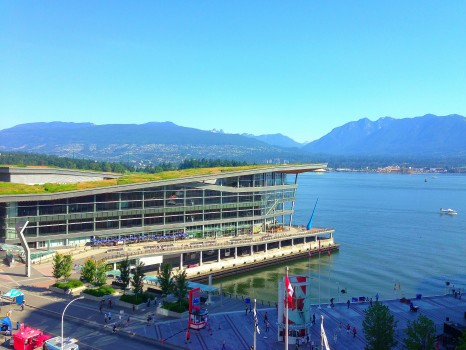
[229, 324]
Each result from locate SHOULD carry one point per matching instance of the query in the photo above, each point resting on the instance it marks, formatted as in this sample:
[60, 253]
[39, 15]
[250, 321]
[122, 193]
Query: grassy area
[100, 291]
[176, 306]
[136, 300]
[68, 284]
[13, 188]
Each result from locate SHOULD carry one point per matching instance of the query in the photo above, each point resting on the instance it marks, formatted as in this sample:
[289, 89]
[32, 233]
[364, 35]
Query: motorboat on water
[448, 211]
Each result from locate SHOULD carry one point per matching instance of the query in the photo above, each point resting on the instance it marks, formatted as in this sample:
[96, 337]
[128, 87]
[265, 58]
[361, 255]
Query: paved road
[228, 322]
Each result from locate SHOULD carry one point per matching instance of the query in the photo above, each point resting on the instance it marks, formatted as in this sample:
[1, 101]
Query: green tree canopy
[378, 327]
[420, 334]
[462, 342]
[125, 271]
[165, 279]
[57, 266]
[88, 270]
[180, 286]
[138, 278]
[67, 266]
[100, 275]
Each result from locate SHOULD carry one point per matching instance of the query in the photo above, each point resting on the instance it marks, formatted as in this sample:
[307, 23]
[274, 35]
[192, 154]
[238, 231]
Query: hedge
[141, 298]
[100, 292]
[69, 284]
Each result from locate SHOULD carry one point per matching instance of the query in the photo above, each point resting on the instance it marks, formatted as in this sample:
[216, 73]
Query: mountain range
[424, 137]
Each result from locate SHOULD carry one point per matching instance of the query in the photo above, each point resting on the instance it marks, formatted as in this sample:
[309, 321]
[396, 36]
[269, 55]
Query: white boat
[448, 211]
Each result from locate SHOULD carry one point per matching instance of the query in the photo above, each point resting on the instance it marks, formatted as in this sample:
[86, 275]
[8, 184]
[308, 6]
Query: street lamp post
[62, 316]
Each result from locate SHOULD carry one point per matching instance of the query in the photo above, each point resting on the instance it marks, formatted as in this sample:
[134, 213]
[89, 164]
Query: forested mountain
[276, 140]
[427, 136]
[423, 141]
[145, 144]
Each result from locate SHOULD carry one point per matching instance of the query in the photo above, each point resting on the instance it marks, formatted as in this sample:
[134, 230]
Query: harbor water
[394, 241]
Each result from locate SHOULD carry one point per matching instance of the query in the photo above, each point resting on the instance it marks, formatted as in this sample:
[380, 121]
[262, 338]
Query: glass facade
[228, 206]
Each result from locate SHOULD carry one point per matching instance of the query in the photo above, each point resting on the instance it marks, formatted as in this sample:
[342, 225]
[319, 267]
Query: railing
[212, 244]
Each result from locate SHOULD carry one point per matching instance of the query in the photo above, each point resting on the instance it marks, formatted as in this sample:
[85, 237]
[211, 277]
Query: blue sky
[300, 68]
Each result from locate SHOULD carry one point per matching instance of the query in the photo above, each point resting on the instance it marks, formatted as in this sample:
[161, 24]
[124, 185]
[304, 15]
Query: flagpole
[255, 324]
[319, 272]
[286, 314]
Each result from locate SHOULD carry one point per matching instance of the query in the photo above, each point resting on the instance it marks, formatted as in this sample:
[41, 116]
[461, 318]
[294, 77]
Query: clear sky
[300, 68]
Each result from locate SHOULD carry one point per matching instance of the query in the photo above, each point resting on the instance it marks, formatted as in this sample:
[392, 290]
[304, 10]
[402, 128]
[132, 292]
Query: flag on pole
[256, 323]
[289, 290]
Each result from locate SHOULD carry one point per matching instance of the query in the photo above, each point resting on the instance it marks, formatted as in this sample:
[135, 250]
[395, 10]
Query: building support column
[279, 244]
[292, 242]
[252, 250]
[200, 258]
[181, 260]
[266, 247]
[236, 252]
[219, 250]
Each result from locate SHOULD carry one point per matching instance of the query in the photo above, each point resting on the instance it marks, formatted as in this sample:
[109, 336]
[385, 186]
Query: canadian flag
[289, 290]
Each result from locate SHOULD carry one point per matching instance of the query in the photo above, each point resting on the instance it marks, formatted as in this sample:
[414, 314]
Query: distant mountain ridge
[426, 137]
[153, 142]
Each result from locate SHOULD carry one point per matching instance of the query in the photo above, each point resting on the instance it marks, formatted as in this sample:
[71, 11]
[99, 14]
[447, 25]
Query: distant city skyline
[296, 68]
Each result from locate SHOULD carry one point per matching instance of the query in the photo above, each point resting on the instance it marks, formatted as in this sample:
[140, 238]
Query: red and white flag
[289, 291]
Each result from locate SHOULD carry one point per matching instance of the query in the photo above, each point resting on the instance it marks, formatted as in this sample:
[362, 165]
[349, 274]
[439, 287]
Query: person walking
[314, 318]
[348, 328]
[188, 337]
[267, 327]
[370, 301]
[265, 317]
[348, 303]
[106, 318]
[377, 298]
[354, 332]
[109, 316]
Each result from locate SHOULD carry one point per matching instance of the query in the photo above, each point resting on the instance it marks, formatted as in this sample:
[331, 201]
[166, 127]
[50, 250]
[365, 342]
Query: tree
[67, 266]
[57, 266]
[165, 279]
[100, 276]
[462, 342]
[420, 334]
[138, 278]
[88, 270]
[378, 327]
[125, 271]
[180, 286]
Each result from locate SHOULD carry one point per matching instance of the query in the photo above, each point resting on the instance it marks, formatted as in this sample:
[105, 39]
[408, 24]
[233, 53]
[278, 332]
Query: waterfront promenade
[229, 324]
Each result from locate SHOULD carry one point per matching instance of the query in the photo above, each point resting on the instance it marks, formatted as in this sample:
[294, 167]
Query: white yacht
[448, 211]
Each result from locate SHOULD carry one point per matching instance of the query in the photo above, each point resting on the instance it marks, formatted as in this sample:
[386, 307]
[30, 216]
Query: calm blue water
[390, 232]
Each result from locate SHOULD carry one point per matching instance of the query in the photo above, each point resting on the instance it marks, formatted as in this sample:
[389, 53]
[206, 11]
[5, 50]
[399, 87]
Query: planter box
[94, 298]
[165, 312]
[74, 291]
[118, 302]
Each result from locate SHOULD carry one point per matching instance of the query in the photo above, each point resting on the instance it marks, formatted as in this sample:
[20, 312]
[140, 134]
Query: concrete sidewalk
[229, 326]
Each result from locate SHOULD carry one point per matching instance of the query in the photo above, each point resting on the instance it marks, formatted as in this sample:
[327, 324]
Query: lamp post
[63, 315]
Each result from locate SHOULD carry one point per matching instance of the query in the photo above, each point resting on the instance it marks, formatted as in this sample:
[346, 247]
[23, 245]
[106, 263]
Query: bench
[413, 308]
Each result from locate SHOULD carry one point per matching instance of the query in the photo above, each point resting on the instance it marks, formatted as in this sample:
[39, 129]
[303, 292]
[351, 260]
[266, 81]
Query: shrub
[139, 299]
[69, 284]
[177, 306]
[100, 292]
